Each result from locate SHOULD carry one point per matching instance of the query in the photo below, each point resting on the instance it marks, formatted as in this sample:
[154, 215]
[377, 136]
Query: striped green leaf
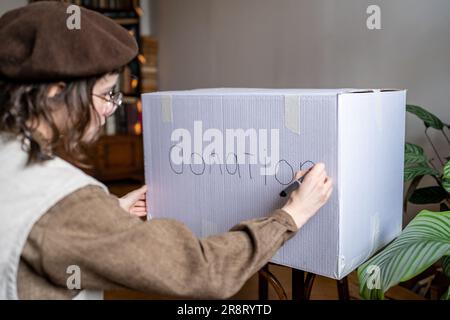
[414, 154]
[428, 195]
[411, 158]
[424, 241]
[429, 119]
[446, 171]
[411, 172]
[446, 176]
[411, 148]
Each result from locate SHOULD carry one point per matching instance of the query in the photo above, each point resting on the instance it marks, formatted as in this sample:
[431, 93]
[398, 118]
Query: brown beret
[37, 45]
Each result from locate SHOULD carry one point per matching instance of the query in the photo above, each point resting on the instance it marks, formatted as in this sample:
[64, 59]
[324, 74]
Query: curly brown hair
[24, 105]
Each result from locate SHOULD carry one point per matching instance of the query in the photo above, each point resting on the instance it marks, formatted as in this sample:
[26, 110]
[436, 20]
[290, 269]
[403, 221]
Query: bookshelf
[118, 154]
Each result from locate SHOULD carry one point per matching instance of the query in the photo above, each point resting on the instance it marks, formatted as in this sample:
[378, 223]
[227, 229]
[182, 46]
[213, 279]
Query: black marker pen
[294, 185]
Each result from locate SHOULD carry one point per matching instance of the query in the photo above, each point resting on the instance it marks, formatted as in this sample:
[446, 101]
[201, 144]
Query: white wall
[6, 5]
[310, 43]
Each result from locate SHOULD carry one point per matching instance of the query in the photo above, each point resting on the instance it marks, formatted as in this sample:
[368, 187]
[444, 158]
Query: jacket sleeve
[115, 250]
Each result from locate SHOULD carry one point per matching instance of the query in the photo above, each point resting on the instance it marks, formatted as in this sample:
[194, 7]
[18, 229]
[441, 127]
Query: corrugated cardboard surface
[212, 198]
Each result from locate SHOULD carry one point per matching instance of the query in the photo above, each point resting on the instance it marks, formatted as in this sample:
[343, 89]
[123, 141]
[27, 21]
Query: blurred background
[188, 44]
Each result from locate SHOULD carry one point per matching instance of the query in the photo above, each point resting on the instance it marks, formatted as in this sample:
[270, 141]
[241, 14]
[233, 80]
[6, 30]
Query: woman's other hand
[135, 202]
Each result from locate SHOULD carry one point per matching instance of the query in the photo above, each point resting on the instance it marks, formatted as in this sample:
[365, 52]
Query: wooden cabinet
[117, 157]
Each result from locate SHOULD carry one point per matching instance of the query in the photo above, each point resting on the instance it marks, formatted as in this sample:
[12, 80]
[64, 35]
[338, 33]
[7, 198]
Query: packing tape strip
[166, 108]
[341, 267]
[292, 112]
[344, 268]
[374, 232]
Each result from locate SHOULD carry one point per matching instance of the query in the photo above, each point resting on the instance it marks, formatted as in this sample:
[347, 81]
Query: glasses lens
[116, 98]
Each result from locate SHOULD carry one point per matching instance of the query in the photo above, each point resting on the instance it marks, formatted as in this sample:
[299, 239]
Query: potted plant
[426, 239]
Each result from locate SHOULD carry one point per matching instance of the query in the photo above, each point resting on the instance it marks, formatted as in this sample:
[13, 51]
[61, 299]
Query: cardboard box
[358, 134]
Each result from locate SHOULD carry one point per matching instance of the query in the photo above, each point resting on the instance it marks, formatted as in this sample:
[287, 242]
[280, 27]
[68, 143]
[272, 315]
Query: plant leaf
[412, 172]
[446, 170]
[411, 148]
[424, 241]
[429, 119]
[446, 176]
[428, 195]
[411, 158]
[414, 154]
[446, 295]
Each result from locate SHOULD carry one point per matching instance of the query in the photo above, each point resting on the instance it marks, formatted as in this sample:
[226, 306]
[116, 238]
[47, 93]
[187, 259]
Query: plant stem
[438, 182]
[446, 136]
[432, 164]
[413, 186]
[434, 148]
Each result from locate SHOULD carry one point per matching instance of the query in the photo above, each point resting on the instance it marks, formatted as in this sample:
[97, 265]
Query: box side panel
[371, 147]
[211, 199]
[181, 191]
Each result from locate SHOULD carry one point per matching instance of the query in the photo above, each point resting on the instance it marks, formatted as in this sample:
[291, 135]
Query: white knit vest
[26, 193]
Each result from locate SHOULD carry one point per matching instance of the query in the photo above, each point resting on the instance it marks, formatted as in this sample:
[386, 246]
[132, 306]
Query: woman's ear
[55, 89]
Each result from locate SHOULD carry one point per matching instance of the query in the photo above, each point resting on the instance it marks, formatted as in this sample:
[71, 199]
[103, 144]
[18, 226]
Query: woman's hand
[313, 193]
[135, 202]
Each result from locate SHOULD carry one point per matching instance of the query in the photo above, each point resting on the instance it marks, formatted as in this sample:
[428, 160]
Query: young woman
[56, 91]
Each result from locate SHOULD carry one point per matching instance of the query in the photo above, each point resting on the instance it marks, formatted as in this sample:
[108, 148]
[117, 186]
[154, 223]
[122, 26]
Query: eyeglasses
[116, 98]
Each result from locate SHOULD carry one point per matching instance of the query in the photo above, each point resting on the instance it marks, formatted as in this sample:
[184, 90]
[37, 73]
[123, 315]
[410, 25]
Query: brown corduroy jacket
[117, 251]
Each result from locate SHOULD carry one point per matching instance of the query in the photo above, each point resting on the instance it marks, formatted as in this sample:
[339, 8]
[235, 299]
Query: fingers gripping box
[215, 157]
